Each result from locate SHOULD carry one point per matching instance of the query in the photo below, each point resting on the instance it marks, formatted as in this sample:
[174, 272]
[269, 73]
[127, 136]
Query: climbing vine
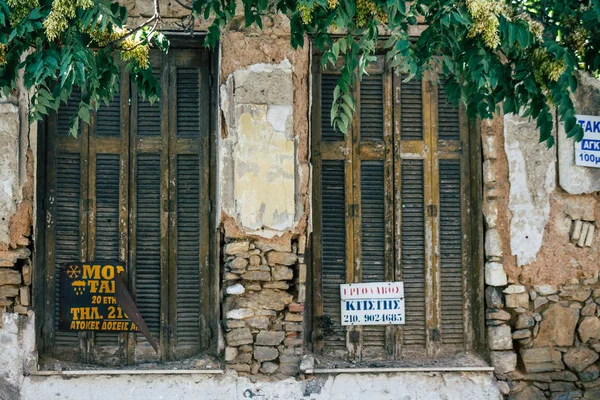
[521, 55]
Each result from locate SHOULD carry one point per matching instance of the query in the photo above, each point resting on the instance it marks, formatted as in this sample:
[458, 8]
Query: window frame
[210, 308]
[472, 223]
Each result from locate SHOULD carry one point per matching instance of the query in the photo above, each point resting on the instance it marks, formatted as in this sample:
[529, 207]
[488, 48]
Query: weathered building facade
[239, 211]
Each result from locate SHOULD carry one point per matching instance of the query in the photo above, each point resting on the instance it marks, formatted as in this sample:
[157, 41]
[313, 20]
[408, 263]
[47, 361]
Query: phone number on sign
[382, 318]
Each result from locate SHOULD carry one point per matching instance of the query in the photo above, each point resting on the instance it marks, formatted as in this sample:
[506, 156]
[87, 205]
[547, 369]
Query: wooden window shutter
[188, 199]
[134, 186]
[392, 205]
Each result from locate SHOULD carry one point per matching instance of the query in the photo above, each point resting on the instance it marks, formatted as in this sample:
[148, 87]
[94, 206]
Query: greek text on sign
[377, 303]
[587, 152]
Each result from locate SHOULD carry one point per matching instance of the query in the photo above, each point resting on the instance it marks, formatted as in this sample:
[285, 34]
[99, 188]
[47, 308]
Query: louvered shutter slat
[188, 249]
[372, 193]
[66, 112]
[66, 230]
[148, 232]
[188, 103]
[411, 105]
[107, 220]
[413, 251]
[371, 107]
[108, 118]
[334, 249]
[149, 116]
[451, 252]
[448, 117]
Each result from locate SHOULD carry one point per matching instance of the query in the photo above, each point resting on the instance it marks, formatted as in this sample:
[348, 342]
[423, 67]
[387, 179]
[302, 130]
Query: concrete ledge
[399, 369]
[130, 372]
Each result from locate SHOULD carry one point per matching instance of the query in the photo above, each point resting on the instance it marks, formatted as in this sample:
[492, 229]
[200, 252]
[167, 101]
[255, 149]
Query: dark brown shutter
[448, 117]
[148, 241]
[66, 112]
[108, 118]
[106, 243]
[413, 251]
[411, 109]
[333, 234]
[66, 234]
[188, 250]
[451, 252]
[188, 103]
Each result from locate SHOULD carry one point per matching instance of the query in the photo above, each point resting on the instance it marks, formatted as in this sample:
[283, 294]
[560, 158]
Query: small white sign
[587, 152]
[377, 303]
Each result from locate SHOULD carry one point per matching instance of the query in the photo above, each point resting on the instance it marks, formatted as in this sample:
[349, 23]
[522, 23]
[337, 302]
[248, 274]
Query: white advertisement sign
[377, 303]
[587, 152]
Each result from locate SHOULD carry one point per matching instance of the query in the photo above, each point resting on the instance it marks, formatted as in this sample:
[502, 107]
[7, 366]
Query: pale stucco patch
[257, 158]
[9, 166]
[532, 169]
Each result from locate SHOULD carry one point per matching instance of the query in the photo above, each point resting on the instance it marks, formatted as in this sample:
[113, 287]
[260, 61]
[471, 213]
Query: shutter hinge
[434, 335]
[432, 210]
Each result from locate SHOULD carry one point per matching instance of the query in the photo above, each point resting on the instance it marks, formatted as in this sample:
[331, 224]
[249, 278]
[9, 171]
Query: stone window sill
[130, 372]
[398, 369]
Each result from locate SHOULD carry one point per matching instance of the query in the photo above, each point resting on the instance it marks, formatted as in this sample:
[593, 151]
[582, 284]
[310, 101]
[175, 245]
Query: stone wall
[542, 256]
[263, 310]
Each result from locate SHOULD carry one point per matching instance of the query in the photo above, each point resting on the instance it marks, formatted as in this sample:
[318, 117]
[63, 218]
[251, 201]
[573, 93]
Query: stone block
[294, 317]
[590, 373]
[239, 367]
[504, 361]
[545, 290]
[301, 273]
[493, 297]
[521, 334]
[301, 296]
[292, 327]
[236, 247]
[561, 387]
[269, 338]
[514, 289]
[563, 376]
[235, 289]
[9, 291]
[243, 358]
[524, 321]
[499, 337]
[10, 277]
[517, 300]
[579, 358]
[282, 273]
[231, 353]
[528, 393]
[495, 275]
[276, 285]
[258, 322]
[24, 295]
[235, 323]
[589, 328]
[539, 301]
[262, 353]
[255, 260]
[268, 368]
[238, 263]
[295, 307]
[500, 315]
[541, 359]
[257, 276]
[240, 313]
[493, 243]
[282, 258]
[557, 327]
[267, 299]
[239, 336]
[589, 309]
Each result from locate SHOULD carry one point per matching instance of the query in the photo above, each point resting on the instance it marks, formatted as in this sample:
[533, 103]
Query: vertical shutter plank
[333, 272]
[451, 252]
[188, 250]
[413, 251]
[107, 221]
[67, 235]
[372, 199]
[148, 238]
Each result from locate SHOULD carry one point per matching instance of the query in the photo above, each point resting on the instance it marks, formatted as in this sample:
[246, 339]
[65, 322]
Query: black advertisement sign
[94, 297]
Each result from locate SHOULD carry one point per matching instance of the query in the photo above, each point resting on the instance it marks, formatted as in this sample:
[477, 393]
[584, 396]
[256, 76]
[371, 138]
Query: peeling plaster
[257, 165]
[532, 171]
